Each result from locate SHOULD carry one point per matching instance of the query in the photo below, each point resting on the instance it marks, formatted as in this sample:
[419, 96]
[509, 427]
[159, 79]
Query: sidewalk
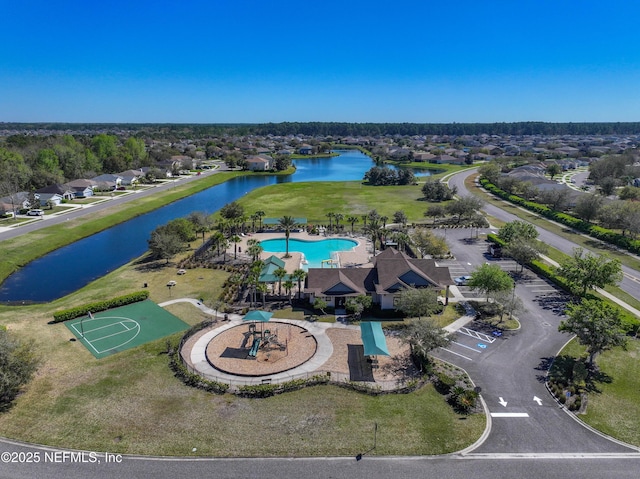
[607, 295]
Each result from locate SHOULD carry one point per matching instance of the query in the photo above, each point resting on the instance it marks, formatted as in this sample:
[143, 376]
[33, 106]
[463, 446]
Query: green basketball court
[119, 329]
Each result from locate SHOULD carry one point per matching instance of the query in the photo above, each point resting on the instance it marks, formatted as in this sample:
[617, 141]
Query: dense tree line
[341, 129]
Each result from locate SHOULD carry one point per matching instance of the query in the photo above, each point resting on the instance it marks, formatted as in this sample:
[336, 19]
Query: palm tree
[235, 239]
[287, 223]
[299, 275]
[262, 287]
[260, 214]
[330, 215]
[224, 244]
[280, 273]
[353, 220]
[216, 240]
[288, 286]
[254, 249]
[338, 217]
[375, 231]
[384, 221]
[254, 218]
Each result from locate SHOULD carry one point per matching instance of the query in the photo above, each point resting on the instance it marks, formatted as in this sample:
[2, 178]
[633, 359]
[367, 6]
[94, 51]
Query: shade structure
[257, 315]
[375, 344]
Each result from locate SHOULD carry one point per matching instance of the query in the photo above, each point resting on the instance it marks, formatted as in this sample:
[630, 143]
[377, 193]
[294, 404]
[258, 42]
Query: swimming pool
[315, 252]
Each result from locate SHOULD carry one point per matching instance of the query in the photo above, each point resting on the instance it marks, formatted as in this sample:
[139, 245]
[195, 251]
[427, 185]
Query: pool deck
[359, 257]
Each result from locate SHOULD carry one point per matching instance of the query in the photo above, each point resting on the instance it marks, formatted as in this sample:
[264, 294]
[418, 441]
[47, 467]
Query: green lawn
[130, 402]
[315, 199]
[615, 410]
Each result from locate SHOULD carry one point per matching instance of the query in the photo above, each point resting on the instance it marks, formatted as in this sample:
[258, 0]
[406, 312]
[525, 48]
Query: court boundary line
[90, 342]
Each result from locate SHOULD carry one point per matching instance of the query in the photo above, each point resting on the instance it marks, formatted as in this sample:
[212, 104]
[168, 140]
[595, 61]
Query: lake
[71, 267]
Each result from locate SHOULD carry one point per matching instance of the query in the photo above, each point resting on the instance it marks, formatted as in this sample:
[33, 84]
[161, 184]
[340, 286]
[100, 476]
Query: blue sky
[247, 61]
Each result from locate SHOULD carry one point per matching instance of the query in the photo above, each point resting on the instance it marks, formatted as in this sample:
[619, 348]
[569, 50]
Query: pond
[70, 268]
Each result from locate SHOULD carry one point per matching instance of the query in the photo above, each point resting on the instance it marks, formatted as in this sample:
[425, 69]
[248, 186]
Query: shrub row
[598, 232]
[73, 313]
[191, 379]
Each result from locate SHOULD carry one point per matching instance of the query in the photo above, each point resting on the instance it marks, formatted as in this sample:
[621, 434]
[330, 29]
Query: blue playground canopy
[373, 339]
[257, 315]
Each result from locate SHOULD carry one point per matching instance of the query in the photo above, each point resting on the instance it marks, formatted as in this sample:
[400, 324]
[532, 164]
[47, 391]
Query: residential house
[391, 273]
[305, 150]
[16, 201]
[107, 182]
[131, 177]
[422, 156]
[55, 194]
[260, 163]
[81, 188]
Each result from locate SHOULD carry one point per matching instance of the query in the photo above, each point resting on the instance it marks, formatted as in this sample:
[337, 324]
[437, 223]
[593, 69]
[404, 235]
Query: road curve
[631, 279]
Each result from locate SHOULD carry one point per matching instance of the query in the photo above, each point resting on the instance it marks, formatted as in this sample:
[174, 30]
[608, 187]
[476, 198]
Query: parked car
[35, 213]
[461, 280]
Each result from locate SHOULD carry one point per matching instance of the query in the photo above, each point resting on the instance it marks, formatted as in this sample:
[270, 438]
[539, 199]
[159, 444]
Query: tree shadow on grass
[567, 371]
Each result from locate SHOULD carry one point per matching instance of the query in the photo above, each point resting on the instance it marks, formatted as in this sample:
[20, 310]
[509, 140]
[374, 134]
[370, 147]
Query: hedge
[598, 232]
[67, 314]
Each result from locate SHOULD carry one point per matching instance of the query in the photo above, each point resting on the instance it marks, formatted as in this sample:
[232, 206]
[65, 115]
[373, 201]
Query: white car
[461, 280]
[35, 213]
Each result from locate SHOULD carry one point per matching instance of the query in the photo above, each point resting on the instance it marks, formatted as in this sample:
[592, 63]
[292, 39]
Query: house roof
[271, 264]
[59, 189]
[392, 271]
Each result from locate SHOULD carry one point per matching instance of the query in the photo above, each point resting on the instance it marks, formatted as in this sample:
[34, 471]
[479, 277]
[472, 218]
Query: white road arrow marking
[538, 400]
[503, 402]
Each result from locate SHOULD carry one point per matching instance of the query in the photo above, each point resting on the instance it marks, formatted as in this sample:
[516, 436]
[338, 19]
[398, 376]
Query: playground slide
[254, 348]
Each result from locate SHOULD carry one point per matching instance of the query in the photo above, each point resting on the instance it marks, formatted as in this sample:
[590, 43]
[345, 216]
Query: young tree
[491, 171]
[18, 363]
[490, 279]
[416, 302]
[164, 243]
[435, 211]
[523, 250]
[357, 305]
[596, 324]
[232, 210]
[429, 244]
[464, 207]
[400, 218]
[588, 206]
[434, 190]
[423, 337]
[517, 230]
[320, 304]
[553, 169]
[585, 271]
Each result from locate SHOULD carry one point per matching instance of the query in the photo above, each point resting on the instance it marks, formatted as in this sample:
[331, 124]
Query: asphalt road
[92, 208]
[631, 279]
[544, 441]
[511, 369]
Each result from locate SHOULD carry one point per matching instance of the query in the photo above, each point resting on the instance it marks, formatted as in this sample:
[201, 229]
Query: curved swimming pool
[315, 252]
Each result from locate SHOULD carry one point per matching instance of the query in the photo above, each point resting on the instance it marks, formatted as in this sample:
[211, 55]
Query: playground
[258, 350]
[119, 329]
